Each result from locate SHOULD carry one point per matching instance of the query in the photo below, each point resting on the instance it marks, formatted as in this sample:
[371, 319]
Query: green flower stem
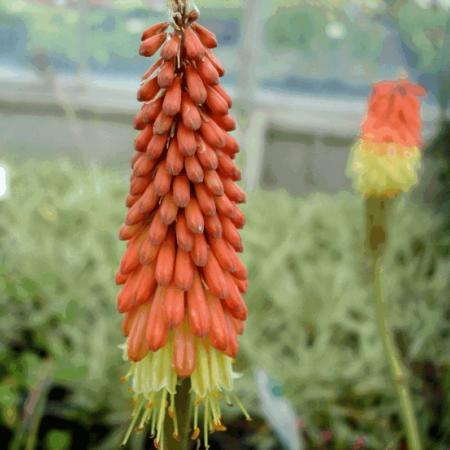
[183, 410]
[376, 214]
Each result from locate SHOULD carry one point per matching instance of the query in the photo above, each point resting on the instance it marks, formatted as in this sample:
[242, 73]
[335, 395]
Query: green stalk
[183, 410]
[377, 229]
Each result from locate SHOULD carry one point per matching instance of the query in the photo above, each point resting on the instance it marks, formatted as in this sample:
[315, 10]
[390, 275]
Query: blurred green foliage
[113, 32]
[304, 28]
[323, 32]
[310, 325]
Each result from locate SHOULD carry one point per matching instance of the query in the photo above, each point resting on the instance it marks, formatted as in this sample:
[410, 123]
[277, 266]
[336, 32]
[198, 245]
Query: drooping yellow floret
[383, 169]
[154, 382]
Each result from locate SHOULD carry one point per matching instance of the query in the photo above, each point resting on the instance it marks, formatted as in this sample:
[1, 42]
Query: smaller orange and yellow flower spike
[386, 158]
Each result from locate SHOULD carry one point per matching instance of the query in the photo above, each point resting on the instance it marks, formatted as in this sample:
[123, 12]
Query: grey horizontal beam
[292, 113]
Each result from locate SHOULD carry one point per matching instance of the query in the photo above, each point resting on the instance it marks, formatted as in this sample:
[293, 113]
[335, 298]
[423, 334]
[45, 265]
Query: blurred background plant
[311, 324]
[69, 75]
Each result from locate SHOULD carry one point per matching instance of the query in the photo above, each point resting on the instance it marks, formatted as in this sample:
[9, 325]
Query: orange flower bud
[156, 146]
[213, 226]
[207, 157]
[151, 110]
[231, 234]
[214, 183]
[216, 103]
[189, 113]
[162, 181]
[175, 160]
[168, 209]
[184, 351]
[151, 44]
[194, 170]
[129, 231]
[200, 250]
[233, 191]
[144, 166]
[152, 69]
[215, 277]
[125, 299]
[225, 121]
[207, 37]
[227, 167]
[218, 331]
[165, 261]
[232, 344]
[195, 86]
[138, 185]
[184, 270]
[166, 74]
[157, 231]
[154, 29]
[174, 305]
[185, 237]
[157, 328]
[130, 259]
[213, 134]
[224, 254]
[186, 140]
[194, 217]
[216, 63]
[170, 48]
[145, 284]
[194, 47]
[224, 94]
[163, 123]
[148, 90]
[143, 138]
[198, 311]
[137, 344]
[148, 200]
[120, 277]
[181, 191]
[135, 214]
[148, 252]
[205, 200]
[172, 100]
[208, 72]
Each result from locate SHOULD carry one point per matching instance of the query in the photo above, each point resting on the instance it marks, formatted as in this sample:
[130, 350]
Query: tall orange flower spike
[182, 279]
[386, 158]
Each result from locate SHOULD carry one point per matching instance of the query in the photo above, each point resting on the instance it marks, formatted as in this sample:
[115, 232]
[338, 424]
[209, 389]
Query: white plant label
[3, 182]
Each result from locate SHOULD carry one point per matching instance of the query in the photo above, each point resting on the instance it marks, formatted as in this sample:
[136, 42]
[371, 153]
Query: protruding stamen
[161, 416]
[196, 420]
[242, 408]
[176, 436]
[135, 416]
[215, 409]
[173, 415]
[228, 400]
[206, 426]
[153, 422]
[219, 427]
[144, 419]
[195, 434]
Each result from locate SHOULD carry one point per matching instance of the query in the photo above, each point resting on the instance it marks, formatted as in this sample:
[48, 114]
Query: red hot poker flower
[386, 158]
[182, 279]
